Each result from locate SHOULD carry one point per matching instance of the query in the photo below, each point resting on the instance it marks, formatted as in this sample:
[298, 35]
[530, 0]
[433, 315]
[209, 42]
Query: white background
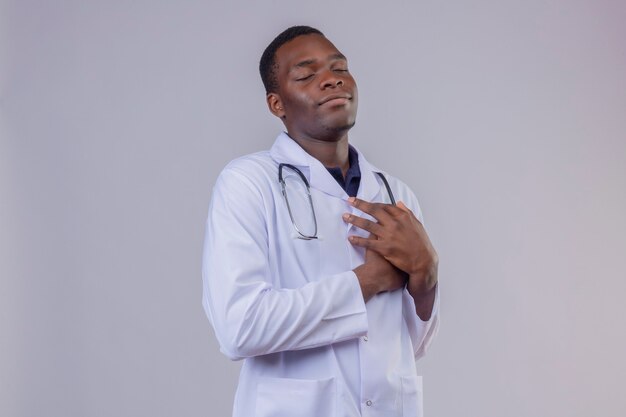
[507, 118]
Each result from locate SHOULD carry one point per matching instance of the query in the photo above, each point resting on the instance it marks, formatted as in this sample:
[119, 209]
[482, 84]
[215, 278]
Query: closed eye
[304, 78]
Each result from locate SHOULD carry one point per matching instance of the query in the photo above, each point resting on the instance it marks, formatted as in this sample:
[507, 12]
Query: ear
[275, 105]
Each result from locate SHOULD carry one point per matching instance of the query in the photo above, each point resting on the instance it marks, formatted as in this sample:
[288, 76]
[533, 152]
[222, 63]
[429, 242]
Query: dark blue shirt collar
[353, 176]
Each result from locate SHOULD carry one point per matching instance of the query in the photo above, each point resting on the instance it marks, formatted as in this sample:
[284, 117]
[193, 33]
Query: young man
[311, 273]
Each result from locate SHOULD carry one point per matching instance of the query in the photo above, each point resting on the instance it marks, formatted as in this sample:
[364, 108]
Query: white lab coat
[293, 308]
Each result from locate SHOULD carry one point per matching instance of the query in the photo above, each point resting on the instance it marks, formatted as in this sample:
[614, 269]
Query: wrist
[423, 265]
[367, 281]
[424, 303]
[422, 282]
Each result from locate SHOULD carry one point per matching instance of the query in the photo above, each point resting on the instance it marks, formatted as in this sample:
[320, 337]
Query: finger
[401, 206]
[371, 244]
[368, 243]
[404, 208]
[363, 223]
[376, 210]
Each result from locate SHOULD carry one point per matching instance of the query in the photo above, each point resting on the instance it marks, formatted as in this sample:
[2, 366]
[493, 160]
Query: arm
[250, 316]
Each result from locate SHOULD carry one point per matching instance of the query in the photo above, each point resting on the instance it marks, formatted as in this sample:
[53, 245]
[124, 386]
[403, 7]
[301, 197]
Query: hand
[377, 275]
[401, 239]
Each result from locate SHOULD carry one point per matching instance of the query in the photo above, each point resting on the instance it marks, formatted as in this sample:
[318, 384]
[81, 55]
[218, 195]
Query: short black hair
[268, 65]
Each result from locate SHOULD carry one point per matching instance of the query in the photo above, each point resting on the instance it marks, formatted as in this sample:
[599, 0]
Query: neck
[330, 153]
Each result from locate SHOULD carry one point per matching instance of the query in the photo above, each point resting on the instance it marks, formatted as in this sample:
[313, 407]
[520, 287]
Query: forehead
[303, 48]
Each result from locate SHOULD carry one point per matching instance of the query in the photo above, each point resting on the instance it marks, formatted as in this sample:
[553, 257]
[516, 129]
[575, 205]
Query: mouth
[336, 99]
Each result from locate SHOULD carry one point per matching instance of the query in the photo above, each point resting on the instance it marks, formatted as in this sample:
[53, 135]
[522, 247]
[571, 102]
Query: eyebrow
[333, 57]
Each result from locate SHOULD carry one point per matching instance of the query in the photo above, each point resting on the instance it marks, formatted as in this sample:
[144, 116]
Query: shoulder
[255, 169]
[250, 165]
[249, 178]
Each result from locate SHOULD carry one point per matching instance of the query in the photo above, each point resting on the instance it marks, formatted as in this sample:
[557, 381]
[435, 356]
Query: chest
[296, 260]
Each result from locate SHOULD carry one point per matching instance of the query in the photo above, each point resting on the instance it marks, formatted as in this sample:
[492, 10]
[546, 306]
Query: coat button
[365, 339]
[368, 403]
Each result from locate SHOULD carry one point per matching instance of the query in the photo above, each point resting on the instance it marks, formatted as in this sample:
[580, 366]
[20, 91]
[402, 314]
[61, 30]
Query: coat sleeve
[422, 333]
[249, 315]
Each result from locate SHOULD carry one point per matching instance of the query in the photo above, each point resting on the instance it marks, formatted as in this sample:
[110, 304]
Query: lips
[339, 97]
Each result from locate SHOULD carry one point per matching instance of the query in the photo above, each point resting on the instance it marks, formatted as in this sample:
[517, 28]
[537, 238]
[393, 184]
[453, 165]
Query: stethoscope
[283, 186]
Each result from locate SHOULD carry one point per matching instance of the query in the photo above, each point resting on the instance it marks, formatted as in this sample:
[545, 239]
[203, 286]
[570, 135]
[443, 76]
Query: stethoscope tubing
[308, 190]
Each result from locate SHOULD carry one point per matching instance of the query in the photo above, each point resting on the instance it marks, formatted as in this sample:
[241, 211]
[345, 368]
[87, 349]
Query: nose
[331, 81]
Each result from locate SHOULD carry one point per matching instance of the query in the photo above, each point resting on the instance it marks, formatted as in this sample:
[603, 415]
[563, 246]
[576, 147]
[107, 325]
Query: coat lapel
[369, 188]
[286, 150]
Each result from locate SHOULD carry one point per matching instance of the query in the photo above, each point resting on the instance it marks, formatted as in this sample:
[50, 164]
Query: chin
[347, 126]
[334, 132]
[342, 127]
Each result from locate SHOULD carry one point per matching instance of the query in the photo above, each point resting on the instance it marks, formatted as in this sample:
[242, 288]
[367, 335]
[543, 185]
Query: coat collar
[286, 150]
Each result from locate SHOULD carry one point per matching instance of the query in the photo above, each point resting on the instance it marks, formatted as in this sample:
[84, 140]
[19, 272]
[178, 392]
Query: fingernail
[346, 216]
[351, 199]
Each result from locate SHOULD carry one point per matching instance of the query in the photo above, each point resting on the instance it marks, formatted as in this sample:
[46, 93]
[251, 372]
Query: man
[331, 300]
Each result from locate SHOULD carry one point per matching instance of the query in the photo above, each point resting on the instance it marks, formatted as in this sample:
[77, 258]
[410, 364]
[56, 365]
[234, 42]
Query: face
[317, 97]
